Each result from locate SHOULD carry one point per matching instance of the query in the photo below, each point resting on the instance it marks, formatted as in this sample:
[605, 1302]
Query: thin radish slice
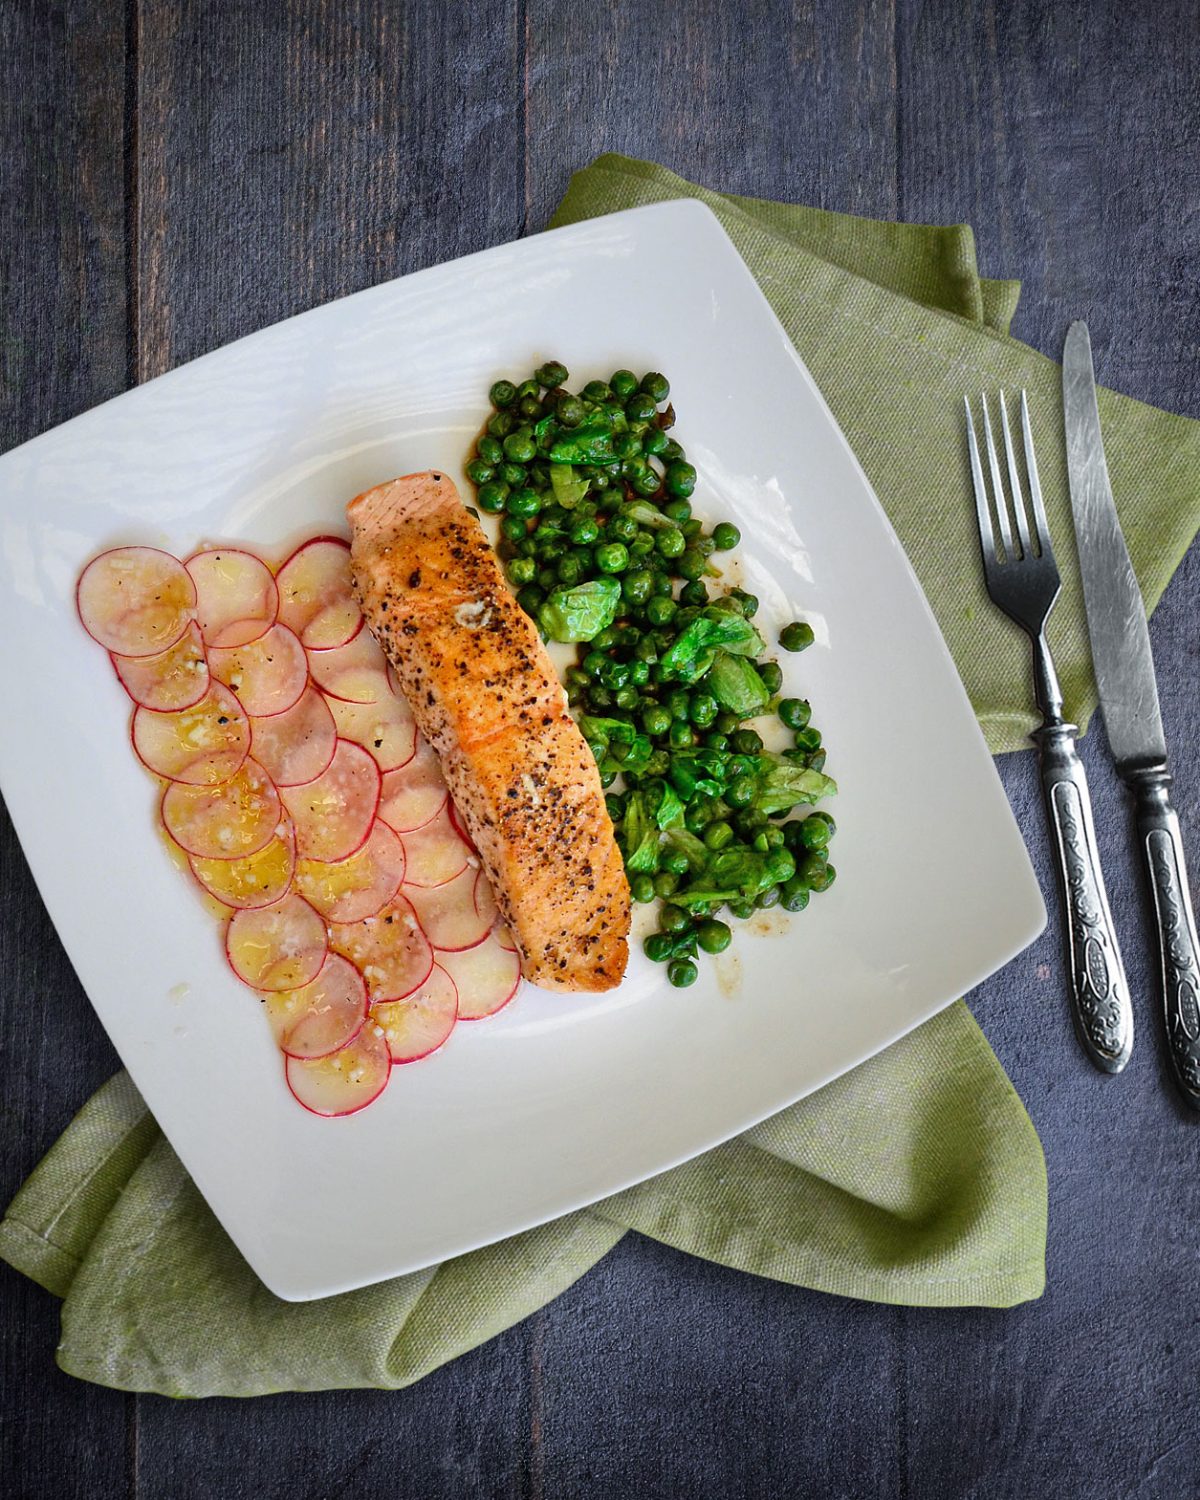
[436, 854]
[486, 977]
[415, 1027]
[386, 730]
[345, 1081]
[390, 951]
[169, 680]
[485, 899]
[357, 887]
[201, 745]
[315, 596]
[321, 1016]
[257, 880]
[296, 746]
[448, 913]
[268, 674]
[415, 794]
[456, 822]
[279, 947]
[135, 601]
[333, 814]
[504, 937]
[359, 666]
[236, 597]
[229, 821]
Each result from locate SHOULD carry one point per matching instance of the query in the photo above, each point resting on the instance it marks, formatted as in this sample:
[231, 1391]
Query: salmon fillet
[485, 694]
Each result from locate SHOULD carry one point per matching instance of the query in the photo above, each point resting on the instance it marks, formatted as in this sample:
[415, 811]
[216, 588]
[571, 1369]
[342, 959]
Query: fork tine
[997, 485]
[986, 539]
[1035, 489]
[1014, 480]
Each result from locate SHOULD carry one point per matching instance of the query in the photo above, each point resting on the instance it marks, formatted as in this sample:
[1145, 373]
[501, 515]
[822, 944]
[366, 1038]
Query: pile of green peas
[551, 539]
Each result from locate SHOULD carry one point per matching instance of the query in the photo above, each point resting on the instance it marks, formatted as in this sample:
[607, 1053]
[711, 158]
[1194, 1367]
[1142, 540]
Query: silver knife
[1129, 699]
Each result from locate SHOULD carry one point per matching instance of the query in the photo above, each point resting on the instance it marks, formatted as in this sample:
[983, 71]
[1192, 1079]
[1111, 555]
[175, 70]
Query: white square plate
[559, 1100]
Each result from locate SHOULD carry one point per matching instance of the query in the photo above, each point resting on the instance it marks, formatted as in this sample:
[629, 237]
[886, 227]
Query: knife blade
[1124, 667]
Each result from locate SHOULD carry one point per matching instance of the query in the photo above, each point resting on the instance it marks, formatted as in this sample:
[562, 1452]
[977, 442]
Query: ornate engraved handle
[1100, 1005]
[1158, 828]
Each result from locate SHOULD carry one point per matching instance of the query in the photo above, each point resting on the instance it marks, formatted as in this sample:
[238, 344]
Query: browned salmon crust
[485, 694]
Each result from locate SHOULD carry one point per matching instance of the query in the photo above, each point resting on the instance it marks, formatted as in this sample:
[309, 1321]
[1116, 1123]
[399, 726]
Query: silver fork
[1023, 580]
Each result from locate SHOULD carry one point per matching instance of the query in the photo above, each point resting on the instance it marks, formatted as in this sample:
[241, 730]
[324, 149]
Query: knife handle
[1100, 1004]
[1162, 848]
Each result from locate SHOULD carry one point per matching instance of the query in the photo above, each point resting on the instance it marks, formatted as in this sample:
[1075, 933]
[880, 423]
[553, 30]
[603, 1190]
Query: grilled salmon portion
[485, 694]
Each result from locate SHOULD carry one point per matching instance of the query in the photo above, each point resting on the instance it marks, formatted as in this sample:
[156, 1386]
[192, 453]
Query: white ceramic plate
[559, 1100]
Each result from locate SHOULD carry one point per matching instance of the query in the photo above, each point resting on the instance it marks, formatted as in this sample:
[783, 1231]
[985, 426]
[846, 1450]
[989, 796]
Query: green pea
[530, 598]
[516, 476]
[796, 636]
[675, 861]
[725, 536]
[641, 888]
[596, 391]
[816, 830]
[522, 570]
[654, 441]
[605, 640]
[641, 547]
[490, 451]
[503, 393]
[571, 411]
[611, 557]
[678, 510]
[646, 652]
[593, 663]
[682, 972]
[680, 479]
[656, 386]
[523, 503]
[621, 528]
[808, 739]
[627, 697]
[627, 445]
[717, 835]
[614, 674]
[740, 791]
[639, 407]
[528, 388]
[749, 820]
[768, 898]
[772, 676]
[679, 701]
[623, 383]
[599, 699]
[519, 447]
[635, 586]
[716, 741]
[674, 919]
[691, 564]
[551, 374]
[569, 570]
[725, 722]
[694, 594]
[491, 497]
[749, 602]
[793, 895]
[681, 735]
[501, 424]
[665, 884]
[742, 909]
[670, 542]
[513, 529]
[529, 407]
[702, 710]
[547, 577]
[639, 672]
[714, 937]
[822, 879]
[656, 720]
[746, 742]
[478, 472]
[795, 713]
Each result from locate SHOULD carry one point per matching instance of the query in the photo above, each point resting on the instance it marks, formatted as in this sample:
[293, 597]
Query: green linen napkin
[917, 1178]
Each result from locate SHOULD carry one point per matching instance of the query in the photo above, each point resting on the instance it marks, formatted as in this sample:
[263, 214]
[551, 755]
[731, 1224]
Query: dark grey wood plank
[456, 1433]
[62, 349]
[291, 153]
[768, 98]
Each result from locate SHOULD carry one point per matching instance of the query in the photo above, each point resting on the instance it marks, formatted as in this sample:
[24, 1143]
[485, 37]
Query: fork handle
[1100, 1005]
[1162, 849]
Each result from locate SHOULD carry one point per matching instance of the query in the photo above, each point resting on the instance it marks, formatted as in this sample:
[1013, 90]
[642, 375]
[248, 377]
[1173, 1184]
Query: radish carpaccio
[296, 789]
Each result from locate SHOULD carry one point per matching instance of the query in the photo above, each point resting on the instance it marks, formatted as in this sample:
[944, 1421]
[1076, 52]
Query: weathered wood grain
[62, 349]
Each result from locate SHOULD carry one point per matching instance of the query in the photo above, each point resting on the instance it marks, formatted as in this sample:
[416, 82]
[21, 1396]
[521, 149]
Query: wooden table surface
[175, 173]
